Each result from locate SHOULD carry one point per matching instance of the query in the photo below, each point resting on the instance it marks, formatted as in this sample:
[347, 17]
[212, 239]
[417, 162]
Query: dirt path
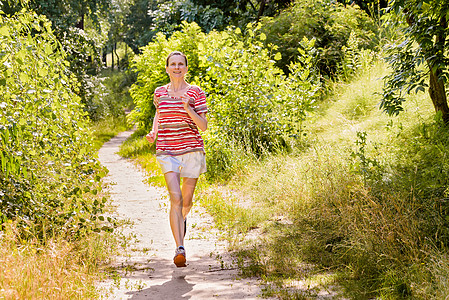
[147, 271]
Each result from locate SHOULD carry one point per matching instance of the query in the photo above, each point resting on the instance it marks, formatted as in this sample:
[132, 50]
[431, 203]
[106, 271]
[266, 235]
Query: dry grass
[56, 270]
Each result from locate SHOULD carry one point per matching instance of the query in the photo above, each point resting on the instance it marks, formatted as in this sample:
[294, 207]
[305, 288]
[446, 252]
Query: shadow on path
[176, 288]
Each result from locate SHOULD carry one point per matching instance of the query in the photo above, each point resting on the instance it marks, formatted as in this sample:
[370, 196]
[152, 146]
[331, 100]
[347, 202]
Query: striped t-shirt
[177, 133]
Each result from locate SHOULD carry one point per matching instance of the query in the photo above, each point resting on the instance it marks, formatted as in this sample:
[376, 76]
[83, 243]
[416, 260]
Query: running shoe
[180, 257]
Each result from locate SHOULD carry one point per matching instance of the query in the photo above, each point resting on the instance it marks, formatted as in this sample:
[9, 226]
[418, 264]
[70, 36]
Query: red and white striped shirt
[177, 133]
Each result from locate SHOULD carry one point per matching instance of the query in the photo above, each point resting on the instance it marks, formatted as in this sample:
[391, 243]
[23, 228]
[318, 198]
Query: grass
[56, 269]
[106, 129]
[346, 208]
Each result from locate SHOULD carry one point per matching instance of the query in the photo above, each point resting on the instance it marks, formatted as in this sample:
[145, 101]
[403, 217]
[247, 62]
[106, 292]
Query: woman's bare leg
[172, 181]
[188, 188]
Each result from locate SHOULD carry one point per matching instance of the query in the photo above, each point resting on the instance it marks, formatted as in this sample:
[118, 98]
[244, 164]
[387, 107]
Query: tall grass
[56, 269]
[105, 129]
[367, 201]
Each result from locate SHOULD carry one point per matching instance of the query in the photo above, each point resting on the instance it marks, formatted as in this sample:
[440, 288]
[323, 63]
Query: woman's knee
[176, 200]
[186, 204]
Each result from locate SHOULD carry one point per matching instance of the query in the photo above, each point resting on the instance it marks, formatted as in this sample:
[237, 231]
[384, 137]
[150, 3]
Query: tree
[371, 7]
[330, 23]
[252, 10]
[138, 24]
[68, 19]
[420, 60]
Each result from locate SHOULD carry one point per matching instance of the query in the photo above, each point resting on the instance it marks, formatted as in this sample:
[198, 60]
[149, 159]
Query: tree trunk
[261, 9]
[437, 89]
[103, 56]
[115, 52]
[112, 56]
[80, 24]
[437, 93]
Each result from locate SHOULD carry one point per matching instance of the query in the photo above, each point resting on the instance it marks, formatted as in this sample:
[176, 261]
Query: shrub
[47, 169]
[250, 100]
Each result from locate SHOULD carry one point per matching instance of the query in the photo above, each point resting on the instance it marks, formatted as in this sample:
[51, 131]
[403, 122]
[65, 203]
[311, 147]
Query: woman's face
[176, 67]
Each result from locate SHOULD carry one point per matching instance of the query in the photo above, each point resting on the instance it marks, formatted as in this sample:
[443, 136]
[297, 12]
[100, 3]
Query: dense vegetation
[340, 195]
[362, 214]
[48, 168]
[50, 180]
[335, 28]
[364, 208]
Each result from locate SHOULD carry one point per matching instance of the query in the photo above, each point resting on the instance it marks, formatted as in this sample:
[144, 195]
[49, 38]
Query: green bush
[250, 100]
[48, 170]
[327, 21]
[110, 94]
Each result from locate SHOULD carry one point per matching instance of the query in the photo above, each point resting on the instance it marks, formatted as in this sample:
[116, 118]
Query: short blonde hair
[173, 54]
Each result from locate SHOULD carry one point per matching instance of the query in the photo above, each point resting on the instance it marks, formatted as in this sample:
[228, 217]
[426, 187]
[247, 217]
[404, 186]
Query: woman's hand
[186, 101]
[151, 137]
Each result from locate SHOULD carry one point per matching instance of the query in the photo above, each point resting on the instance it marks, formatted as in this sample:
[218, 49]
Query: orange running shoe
[180, 257]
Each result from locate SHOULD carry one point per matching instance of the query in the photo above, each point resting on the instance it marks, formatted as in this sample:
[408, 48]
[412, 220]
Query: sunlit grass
[345, 207]
[56, 269]
[106, 129]
[153, 171]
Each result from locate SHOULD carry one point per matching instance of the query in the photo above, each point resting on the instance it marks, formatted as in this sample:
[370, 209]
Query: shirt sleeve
[157, 94]
[200, 105]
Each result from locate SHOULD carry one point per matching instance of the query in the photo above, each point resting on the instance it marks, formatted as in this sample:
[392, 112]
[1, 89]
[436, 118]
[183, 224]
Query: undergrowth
[365, 206]
[104, 130]
[54, 269]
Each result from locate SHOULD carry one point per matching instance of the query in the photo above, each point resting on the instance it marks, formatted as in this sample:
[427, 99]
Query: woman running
[180, 110]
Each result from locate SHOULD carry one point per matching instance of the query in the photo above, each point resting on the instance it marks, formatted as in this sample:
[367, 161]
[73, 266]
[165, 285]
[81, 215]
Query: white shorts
[189, 165]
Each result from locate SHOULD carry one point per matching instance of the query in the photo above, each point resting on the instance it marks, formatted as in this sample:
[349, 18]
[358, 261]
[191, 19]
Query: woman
[180, 110]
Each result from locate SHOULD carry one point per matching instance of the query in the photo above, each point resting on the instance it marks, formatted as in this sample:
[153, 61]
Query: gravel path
[146, 270]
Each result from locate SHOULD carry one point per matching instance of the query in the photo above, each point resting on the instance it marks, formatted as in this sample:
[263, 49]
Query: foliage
[354, 60]
[370, 216]
[48, 173]
[68, 19]
[110, 94]
[330, 23]
[372, 7]
[250, 100]
[139, 24]
[421, 52]
[63, 14]
[148, 17]
[237, 13]
[117, 30]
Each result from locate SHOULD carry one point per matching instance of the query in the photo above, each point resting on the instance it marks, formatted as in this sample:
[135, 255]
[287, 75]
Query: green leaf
[278, 56]
[23, 77]
[48, 49]
[4, 31]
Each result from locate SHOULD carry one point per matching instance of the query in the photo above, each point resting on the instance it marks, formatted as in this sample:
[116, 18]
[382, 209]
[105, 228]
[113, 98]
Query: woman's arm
[151, 137]
[199, 119]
